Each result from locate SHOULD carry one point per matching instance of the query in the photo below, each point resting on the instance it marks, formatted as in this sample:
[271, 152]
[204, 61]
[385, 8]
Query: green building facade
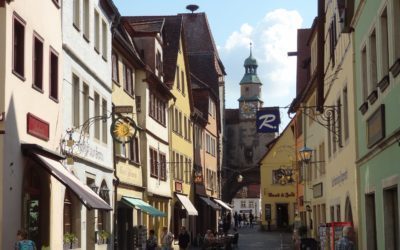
[377, 66]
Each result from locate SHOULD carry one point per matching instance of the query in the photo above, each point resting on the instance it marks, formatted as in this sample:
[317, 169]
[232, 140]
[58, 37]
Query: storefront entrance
[36, 205]
[282, 215]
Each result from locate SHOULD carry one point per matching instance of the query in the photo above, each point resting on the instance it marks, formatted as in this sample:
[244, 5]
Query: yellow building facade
[181, 144]
[278, 175]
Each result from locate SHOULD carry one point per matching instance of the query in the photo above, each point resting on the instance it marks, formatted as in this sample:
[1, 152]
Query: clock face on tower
[248, 110]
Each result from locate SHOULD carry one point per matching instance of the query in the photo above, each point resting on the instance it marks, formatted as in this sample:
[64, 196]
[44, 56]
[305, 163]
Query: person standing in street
[251, 218]
[22, 241]
[166, 239]
[236, 219]
[151, 243]
[183, 239]
[345, 243]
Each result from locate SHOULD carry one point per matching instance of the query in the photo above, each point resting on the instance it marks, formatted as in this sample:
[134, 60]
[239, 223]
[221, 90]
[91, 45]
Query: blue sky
[269, 24]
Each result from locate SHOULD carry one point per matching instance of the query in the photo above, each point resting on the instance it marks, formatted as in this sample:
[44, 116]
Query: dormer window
[345, 11]
[159, 65]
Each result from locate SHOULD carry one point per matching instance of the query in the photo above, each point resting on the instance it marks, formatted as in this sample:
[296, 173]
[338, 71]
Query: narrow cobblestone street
[254, 239]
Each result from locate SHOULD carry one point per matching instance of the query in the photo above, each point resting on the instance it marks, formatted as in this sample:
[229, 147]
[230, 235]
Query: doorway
[282, 215]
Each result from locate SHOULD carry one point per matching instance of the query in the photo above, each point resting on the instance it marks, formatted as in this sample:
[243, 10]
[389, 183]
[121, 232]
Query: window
[396, 30]
[339, 122]
[163, 167]
[172, 166]
[370, 221]
[338, 217]
[67, 212]
[391, 217]
[19, 47]
[364, 72]
[333, 128]
[153, 163]
[138, 103]
[53, 75]
[183, 83]
[177, 166]
[345, 115]
[85, 98]
[105, 40]
[385, 44]
[373, 62]
[120, 149]
[72, 216]
[157, 109]
[251, 204]
[128, 80]
[332, 213]
[38, 63]
[185, 127]
[76, 13]
[75, 102]
[86, 18]
[180, 123]
[96, 31]
[134, 150]
[211, 107]
[332, 39]
[96, 114]
[321, 157]
[159, 66]
[242, 204]
[115, 73]
[181, 167]
[178, 82]
[104, 127]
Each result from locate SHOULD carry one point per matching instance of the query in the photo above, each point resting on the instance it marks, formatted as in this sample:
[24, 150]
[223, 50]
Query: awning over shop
[144, 206]
[223, 204]
[86, 195]
[187, 204]
[209, 202]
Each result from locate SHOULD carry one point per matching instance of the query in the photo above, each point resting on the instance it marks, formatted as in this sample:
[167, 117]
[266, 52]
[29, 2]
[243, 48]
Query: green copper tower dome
[250, 75]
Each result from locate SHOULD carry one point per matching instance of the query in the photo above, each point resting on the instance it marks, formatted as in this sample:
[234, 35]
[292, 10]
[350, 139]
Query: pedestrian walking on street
[240, 220]
[345, 243]
[251, 217]
[151, 243]
[22, 241]
[166, 239]
[236, 219]
[183, 239]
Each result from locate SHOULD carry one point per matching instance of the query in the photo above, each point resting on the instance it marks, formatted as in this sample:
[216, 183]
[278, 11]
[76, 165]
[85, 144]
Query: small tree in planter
[103, 236]
[70, 239]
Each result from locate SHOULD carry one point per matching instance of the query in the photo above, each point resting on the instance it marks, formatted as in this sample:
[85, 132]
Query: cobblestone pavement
[254, 239]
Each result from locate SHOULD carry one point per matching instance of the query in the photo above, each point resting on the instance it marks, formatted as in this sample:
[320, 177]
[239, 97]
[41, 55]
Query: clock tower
[250, 89]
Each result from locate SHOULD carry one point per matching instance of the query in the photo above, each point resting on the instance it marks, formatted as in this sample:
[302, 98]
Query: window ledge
[37, 88]
[19, 76]
[363, 108]
[86, 38]
[395, 68]
[384, 83]
[373, 97]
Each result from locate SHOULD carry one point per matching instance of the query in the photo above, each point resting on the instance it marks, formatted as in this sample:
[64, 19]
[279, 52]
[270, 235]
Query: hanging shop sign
[123, 129]
[268, 120]
[37, 127]
[283, 195]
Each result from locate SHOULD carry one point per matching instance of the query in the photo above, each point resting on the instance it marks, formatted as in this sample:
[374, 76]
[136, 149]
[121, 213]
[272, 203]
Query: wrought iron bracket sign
[123, 129]
[329, 118]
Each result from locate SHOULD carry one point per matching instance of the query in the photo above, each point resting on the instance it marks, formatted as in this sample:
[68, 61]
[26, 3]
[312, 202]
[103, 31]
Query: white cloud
[239, 38]
[273, 37]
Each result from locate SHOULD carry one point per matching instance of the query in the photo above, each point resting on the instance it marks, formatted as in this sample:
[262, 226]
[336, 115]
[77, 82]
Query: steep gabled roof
[144, 24]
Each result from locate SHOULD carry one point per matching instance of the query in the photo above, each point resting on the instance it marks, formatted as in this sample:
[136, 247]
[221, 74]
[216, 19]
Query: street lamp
[239, 178]
[306, 154]
[94, 187]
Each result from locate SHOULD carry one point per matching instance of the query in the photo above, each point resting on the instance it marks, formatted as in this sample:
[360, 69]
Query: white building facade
[87, 116]
[30, 108]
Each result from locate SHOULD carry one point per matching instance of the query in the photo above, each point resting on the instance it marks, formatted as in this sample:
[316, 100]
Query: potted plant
[103, 236]
[70, 239]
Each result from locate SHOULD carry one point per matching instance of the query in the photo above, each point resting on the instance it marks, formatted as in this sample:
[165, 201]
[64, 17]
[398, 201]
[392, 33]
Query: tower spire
[251, 49]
